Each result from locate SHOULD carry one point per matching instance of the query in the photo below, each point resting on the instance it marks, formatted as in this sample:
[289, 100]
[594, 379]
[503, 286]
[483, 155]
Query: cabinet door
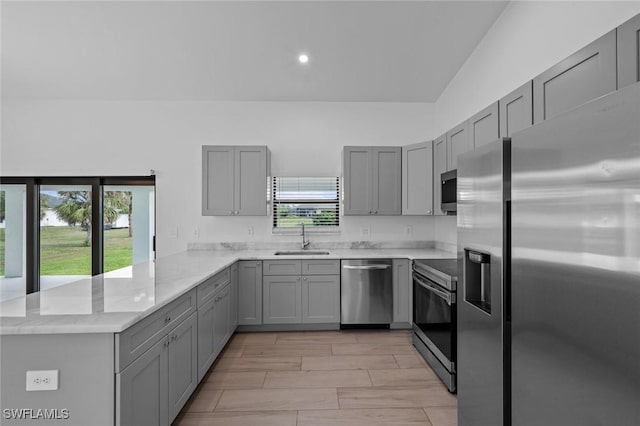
[142, 397]
[417, 179]
[458, 141]
[250, 180]
[249, 292]
[401, 293]
[484, 127]
[583, 76]
[357, 180]
[221, 320]
[233, 299]
[629, 52]
[217, 180]
[321, 299]
[183, 364]
[439, 167]
[282, 299]
[516, 110]
[206, 351]
[387, 180]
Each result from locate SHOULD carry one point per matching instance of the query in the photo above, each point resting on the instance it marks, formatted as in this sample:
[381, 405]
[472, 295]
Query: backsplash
[262, 245]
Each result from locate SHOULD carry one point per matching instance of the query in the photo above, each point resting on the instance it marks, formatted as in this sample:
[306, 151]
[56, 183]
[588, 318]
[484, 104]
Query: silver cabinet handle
[366, 266]
[304, 278]
[428, 211]
[167, 320]
[230, 212]
[376, 212]
[257, 263]
[297, 278]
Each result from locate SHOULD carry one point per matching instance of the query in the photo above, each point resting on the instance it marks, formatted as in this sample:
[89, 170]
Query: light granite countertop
[112, 302]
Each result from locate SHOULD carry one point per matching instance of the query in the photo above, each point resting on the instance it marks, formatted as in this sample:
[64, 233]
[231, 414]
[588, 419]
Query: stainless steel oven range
[434, 315]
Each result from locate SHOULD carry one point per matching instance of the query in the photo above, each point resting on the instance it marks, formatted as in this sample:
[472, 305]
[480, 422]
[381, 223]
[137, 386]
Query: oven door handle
[450, 298]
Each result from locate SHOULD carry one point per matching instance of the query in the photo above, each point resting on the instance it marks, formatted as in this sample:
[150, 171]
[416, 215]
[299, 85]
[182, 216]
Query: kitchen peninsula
[95, 331]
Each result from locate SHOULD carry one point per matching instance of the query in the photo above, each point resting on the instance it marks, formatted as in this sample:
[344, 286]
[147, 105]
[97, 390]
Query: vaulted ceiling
[360, 51]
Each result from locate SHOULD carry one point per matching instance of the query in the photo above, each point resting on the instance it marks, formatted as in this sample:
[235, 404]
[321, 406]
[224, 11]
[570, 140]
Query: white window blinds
[312, 201]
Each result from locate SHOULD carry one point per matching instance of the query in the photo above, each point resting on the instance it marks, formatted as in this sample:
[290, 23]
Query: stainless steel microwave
[449, 183]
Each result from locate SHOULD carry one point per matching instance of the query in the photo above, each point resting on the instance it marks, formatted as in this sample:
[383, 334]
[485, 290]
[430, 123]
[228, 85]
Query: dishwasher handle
[366, 266]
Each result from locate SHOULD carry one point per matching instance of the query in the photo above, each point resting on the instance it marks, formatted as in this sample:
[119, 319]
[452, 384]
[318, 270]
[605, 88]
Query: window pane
[12, 241]
[129, 227]
[312, 201]
[65, 234]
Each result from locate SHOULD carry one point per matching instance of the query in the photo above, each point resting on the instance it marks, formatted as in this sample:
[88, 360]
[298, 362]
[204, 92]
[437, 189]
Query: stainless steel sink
[300, 253]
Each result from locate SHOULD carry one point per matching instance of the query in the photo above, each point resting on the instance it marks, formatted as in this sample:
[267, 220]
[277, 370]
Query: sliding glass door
[13, 247]
[57, 230]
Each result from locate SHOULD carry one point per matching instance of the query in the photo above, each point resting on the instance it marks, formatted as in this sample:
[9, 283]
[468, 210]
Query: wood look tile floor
[336, 378]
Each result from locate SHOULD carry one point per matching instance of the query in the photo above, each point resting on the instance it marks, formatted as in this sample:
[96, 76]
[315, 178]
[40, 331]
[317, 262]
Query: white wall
[129, 138]
[528, 38]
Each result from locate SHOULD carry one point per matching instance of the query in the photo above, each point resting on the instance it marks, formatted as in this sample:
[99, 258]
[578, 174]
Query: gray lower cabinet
[153, 389]
[234, 180]
[372, 180]
[629, 52]
[249, 292]
[320, 299]
[587, 74]
[282, 299]
[233, 298]
[305, 292]
[516, 110]
[484, 127]
[439, 166]
[417, 179]
[402, 302]
[206, 350]
[221, 326]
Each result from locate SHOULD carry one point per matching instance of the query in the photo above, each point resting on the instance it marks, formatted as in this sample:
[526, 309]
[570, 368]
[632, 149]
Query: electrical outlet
[42, 380]
[365, 231]
[250, 230]
[407, 230]
[196, 232]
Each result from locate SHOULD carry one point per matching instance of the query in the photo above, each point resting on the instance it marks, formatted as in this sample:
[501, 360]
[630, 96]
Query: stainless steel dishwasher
[366, 293]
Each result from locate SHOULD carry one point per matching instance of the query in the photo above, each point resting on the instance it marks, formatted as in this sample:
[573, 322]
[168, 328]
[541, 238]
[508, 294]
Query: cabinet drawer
[320, 267]
[281, 267]
[208, 288]
[135, 340]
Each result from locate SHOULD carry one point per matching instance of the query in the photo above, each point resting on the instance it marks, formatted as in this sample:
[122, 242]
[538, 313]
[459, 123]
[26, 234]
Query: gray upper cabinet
[516, 110]
[439, 167]
[629, 52]
[372, 180]
[357, 186]
[234, 180]
[484, 126]
[583, 76]
[249, 292]
[417, 179]
[387, 184]
[458, 141]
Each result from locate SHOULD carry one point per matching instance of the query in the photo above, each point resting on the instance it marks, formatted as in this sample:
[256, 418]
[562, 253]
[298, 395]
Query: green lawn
[63, 250]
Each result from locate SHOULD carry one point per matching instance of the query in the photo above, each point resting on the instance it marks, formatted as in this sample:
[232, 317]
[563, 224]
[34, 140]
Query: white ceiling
[379, 51]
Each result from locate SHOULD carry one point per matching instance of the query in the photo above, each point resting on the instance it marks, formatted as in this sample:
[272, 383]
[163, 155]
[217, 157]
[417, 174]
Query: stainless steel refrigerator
[549, 249]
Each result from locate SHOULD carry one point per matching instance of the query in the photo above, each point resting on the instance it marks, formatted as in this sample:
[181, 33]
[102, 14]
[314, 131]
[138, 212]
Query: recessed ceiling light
[303, 58]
